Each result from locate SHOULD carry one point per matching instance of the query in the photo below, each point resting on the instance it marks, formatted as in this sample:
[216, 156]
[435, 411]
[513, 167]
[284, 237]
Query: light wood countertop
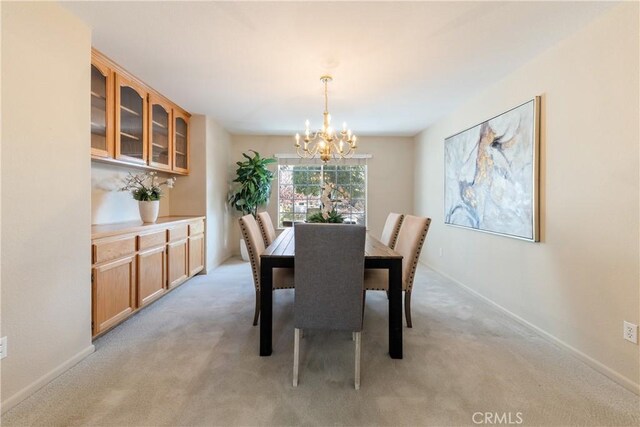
[107, 230]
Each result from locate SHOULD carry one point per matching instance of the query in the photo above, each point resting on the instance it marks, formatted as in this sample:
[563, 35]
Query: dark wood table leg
[266, 308]
[395, 309]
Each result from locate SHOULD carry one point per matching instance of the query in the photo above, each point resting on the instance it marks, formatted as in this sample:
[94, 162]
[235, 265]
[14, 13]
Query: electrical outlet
[3, 347]
[440, 252]
[630, 332]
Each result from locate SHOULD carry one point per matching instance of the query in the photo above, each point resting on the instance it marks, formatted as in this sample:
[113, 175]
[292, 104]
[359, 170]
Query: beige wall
[108, 204]
[46, 212]
[390, 174]
[581, 281]
[220, 220]
[1, 130]
[204, 191]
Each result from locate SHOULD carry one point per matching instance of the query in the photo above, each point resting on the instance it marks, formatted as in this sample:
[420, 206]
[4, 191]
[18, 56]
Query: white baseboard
[598, 366]
[215, 263]
[44, 380]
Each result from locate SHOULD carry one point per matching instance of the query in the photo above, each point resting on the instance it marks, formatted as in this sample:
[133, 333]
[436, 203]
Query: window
[300, 188]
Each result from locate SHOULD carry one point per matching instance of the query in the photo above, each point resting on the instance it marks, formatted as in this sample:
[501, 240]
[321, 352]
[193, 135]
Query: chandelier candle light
[326, 142]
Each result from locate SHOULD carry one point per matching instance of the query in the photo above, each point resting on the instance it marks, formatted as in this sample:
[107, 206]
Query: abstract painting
[491, 174]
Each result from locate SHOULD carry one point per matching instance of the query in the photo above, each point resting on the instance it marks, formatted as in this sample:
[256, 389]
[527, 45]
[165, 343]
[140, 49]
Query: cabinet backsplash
[108, 205]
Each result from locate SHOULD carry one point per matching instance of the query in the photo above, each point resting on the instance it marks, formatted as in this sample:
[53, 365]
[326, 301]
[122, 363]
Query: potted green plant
[252, 185]
[147, 190]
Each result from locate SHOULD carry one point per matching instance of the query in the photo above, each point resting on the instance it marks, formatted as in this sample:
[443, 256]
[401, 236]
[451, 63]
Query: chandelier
[326, 142]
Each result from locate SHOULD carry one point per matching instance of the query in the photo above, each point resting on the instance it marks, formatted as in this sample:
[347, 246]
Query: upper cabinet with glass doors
[160, 133]
[101, 108]
[131, 119]
[133, 124]
[180, 141]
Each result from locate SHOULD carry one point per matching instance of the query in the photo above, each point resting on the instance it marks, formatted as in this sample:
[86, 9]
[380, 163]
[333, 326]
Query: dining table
[281, 254]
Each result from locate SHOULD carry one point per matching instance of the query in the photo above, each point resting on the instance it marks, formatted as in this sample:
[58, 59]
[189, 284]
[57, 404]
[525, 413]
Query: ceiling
[397, 66]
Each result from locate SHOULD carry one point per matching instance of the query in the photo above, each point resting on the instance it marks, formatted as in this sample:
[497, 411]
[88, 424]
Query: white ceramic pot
[149, 210]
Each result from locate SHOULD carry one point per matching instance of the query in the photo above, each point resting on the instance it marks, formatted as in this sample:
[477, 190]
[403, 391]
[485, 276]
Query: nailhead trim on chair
[252, 257]
[263, 231]
[414, 265]
[396, 232]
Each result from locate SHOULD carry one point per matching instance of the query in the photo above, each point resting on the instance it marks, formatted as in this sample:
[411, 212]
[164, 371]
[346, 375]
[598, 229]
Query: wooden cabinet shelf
[97, 95]
[141, 127]
[130, 111]
[98, 129]
[130, 136]
[134, 264]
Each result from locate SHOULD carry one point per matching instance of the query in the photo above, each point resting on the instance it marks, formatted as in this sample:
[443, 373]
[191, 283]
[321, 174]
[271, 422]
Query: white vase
[149, 210]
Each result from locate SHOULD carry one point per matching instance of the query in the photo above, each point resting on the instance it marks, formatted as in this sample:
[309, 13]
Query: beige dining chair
[329, 270]
[266, 227]
[411, 237]
[282, 277]
[391, 229]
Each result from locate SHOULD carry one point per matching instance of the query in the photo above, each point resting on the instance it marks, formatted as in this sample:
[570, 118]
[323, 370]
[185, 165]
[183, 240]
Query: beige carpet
[192, 359]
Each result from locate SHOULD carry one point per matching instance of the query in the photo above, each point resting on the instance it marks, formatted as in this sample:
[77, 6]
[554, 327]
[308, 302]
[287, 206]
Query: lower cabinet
[113, 293]
[152, 277]
[178, 262]
[134, 267]
[196, 254]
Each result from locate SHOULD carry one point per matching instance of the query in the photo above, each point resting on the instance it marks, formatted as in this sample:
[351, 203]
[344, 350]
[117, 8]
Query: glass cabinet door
[180, 142]
[131, 114]
[101, 110]
[160, 134]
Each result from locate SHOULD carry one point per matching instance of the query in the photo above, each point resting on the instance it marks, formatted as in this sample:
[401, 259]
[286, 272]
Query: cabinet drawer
[105, 251]
[150, 240]
[178, 232]
[196, 227]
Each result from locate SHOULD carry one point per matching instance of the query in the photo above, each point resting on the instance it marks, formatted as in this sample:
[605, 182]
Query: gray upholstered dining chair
[391, 229]
[329, 270]
[282, 277]
[266, 227]
[411, 237]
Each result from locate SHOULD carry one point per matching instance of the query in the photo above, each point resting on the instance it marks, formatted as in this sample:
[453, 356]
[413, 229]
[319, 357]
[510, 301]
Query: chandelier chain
[326, 98]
